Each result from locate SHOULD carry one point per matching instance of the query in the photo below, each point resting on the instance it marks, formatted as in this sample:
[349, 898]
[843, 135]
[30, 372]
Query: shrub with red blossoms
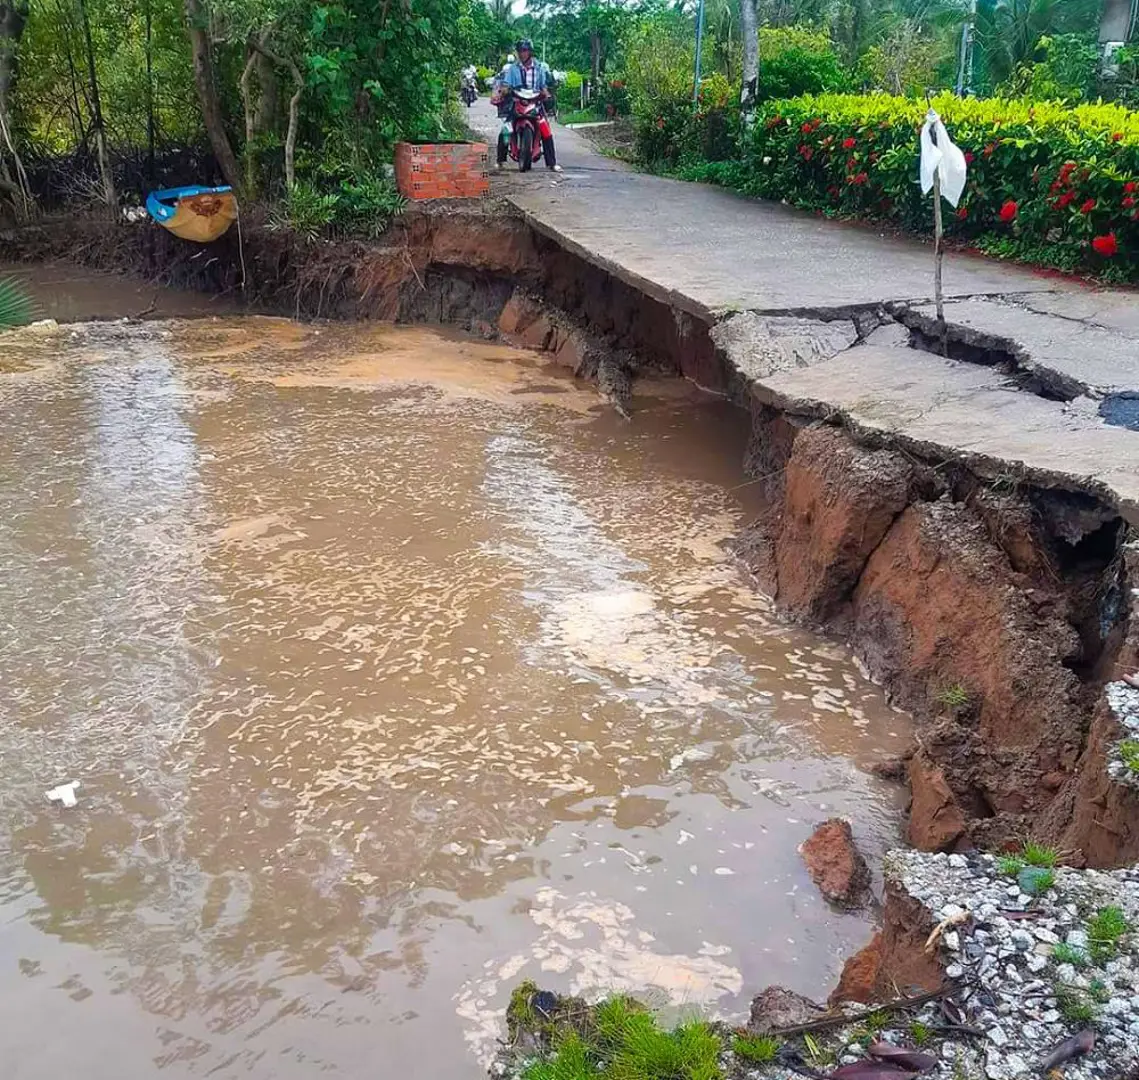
[1008, 211]
[1107, 245]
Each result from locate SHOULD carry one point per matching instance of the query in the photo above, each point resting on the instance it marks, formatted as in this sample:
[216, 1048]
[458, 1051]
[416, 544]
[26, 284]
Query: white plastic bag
[943, 157]
[64, 794]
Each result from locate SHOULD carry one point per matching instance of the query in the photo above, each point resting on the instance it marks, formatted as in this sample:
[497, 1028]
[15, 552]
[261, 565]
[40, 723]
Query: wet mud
[395, 666]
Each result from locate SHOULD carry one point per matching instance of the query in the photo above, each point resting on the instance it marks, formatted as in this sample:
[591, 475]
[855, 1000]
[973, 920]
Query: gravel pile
[1124, 702]
[1039, 973]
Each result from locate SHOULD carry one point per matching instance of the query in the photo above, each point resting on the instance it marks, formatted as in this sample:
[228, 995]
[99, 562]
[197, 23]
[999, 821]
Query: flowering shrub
[1047, 183]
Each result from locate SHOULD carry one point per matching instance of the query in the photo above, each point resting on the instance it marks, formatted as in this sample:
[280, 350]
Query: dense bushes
[1053, 185]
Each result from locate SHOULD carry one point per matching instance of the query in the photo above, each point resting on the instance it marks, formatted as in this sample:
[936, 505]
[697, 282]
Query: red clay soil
[836, 866]
[895, 963]
[980, 611]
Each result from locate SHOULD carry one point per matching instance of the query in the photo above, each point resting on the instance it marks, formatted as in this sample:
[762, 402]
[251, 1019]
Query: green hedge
[1049, 184]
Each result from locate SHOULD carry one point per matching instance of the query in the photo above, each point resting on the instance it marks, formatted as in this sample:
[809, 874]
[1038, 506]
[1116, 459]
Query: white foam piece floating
[64, 794]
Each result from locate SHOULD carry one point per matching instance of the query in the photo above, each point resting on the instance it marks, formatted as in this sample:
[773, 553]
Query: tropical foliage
[1049, 183]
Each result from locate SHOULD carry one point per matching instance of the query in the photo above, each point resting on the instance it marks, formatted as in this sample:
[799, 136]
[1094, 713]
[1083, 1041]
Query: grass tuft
[1040, 855]
[920, 1033]
[573, 1061]
[756, 1049]
[1010, 865]
[953, 697]
[1074, 1005]
[1105, 928]
[623, 1041]
[1069, 954]
[1129, 754]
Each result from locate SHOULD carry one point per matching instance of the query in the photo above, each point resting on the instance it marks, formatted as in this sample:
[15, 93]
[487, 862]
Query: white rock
[1036, 962]
[952, 941]
[997, 1036]
[959, 862]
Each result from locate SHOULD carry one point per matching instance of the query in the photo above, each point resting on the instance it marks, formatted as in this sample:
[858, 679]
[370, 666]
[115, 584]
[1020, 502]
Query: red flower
[1131, 187]
[1088, 207]
[806, 152]
[968, 157]
[1106, 245]
[1066, 199]
[1129, 201]
[989, 150]
[963, 212]
[1009, 211]
[849, 144]
[833, 191]
[851, 162]
[861, 178]
[1117, 137]
[806, 129]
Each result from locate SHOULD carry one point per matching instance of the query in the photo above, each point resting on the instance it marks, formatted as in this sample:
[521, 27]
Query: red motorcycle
[530, 134]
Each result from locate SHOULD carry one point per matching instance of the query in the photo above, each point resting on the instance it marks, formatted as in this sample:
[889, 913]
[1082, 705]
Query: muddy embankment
[993, 608]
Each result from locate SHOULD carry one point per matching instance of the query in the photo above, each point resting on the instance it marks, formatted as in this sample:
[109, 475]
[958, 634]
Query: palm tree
[1008, 30]
[15, 305]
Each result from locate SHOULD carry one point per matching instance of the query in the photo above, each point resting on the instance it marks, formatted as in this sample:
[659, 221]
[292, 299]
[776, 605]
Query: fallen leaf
[902, 1057]
[1071, 1048]
[872, 1070]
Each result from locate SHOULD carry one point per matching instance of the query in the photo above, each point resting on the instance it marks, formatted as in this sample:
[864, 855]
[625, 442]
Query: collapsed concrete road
[959, 501]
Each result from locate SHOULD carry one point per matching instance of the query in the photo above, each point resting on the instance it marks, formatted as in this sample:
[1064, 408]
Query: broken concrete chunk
[758, 346]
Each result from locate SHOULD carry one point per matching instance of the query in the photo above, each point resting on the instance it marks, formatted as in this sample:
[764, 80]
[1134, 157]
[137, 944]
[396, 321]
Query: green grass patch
[1075, 1006]
[953, 697]
[1010, 865]
[1129, 754]
[920, 1033]
[756, 1049]
[580, 116]
[1040, 855]
[622, 1040]
[1105, 929]
[1069, 954]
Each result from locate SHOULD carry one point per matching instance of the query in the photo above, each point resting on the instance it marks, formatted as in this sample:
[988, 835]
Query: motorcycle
[469, 92]
[528, 130]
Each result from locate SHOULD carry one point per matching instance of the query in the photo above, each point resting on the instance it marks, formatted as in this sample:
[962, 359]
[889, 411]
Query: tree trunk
[13, 19]
[291, 135]
[207, 93]
[109, 196]
[150, 126]
[595, 56]
[268, 105]
[749, 89]
[247, 108]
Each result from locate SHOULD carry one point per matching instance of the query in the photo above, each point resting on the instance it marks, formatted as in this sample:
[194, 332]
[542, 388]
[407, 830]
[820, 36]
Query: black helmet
[524, 44]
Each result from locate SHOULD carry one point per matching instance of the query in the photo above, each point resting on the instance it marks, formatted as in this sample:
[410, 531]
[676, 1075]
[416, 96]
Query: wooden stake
[938, 251]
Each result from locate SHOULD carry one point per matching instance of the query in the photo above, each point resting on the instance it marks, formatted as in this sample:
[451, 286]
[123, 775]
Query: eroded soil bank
[993, 606]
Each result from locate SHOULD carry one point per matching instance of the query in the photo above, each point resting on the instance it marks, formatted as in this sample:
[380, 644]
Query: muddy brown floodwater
[394, 668]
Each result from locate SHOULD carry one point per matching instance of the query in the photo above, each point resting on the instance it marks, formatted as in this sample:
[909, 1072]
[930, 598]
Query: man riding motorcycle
[469, 84]
[526, 73]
